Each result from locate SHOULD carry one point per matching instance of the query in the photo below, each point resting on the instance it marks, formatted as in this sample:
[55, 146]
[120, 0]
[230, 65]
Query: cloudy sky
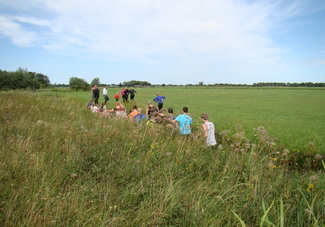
[165, 41]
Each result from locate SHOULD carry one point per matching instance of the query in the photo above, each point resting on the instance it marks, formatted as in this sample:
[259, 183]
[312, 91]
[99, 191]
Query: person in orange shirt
[133, 113]
[117, 97]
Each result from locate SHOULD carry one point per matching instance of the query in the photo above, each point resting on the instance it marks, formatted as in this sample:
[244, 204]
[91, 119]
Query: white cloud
[185, 34]
[15, 32]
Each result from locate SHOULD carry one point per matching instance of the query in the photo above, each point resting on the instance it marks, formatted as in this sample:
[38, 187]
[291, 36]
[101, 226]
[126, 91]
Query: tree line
[23, 79]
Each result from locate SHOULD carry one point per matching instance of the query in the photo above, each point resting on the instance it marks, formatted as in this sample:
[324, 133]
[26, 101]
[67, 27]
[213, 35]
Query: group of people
[152, 114]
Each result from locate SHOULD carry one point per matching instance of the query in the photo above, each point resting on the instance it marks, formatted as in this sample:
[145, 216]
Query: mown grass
[295, 116]
[61, 165]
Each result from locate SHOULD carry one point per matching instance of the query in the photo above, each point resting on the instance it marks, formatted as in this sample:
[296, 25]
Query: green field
[62, 165]
[296, 117]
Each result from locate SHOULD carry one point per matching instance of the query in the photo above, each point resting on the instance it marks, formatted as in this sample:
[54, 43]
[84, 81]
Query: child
[90, 104]
[140, 116]
[133, 113]
[117, 97]
[160, 100]
[209, 130]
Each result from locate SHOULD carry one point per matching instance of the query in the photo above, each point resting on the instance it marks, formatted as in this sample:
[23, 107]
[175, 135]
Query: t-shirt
[132, 115]
[211, 139]
[104, 91]
[184, 122]
[139, 117]
[96, 91]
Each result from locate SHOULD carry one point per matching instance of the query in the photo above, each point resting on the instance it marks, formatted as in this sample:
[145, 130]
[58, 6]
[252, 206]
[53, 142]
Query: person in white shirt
[105, 94]
[209, 130]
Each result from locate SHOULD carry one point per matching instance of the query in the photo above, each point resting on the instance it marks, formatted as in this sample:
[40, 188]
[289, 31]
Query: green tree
[76, 83]
[95, 81]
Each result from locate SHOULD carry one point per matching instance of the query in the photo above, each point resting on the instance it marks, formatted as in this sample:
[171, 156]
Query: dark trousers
[96, 97]
[106, 98]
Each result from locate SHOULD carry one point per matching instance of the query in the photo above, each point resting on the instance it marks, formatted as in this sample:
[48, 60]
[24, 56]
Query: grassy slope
[61, 165]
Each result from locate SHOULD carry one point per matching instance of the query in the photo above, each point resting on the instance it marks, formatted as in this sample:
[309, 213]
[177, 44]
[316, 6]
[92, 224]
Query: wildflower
[311, 186]
[270, 165]
[313, 178]
[285, 152]
[311, 144]
[274, 159]
[318, 157]
[74, 175]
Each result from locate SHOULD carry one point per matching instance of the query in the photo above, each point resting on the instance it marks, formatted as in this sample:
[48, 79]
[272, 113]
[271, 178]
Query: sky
[165, 41]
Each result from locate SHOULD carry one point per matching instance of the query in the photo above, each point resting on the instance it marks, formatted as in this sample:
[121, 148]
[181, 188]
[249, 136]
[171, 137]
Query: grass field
[62, 165]
[296, 117]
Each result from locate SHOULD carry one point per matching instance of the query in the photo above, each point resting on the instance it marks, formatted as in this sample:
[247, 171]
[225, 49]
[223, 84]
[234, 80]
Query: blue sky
[165, 41]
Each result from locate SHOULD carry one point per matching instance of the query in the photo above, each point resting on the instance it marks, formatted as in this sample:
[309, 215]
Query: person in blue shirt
[140, 116]
[184, 122]
[160, 100]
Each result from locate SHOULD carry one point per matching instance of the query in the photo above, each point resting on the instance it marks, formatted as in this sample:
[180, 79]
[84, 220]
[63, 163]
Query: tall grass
[61, 165]
[294, 116]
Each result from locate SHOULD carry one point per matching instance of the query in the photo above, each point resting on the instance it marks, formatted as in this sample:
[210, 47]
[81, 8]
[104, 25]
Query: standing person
[209, 130]
[125, 94]
[160, 100]
[95, 91]
[105, 94]
[117, 97]
[132, 93]
[184, 121]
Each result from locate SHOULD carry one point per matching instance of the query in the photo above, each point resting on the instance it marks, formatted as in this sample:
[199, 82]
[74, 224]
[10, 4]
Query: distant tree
[201, 83]
[42, 79]
[136, 82]
[76, 83]
[95, 81]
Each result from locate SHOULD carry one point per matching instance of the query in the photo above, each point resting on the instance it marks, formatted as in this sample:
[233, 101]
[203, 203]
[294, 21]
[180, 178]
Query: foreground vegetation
[64, 166]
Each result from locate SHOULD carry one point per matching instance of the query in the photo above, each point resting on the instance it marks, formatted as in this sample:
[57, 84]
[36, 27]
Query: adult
[105, 94]
[125, 94]
[209, 130]
[160, 100]
[132, 93]
[95, 92]
[184, 122]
